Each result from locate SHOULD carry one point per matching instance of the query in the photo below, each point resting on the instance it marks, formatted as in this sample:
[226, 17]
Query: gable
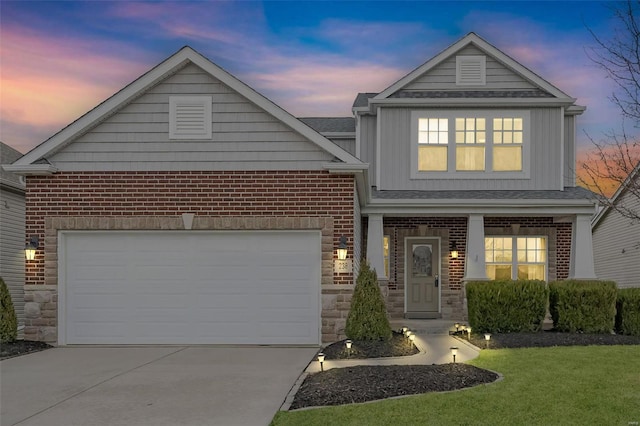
[243, 136]
[442, 77]
[109, 124]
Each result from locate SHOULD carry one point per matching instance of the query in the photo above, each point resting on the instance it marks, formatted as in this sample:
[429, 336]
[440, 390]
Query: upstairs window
[470, 142]
[507, 140]
[433, 138]
[190, 117]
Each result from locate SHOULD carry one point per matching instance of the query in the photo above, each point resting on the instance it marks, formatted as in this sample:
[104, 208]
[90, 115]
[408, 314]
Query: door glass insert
[422, 254]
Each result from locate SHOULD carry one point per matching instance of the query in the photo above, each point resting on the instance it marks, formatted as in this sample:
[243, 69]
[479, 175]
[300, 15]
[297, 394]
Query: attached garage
[189, 287]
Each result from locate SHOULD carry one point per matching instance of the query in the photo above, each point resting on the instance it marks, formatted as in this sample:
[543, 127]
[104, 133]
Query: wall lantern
[342, 248]
[454, 250]
[31, 247]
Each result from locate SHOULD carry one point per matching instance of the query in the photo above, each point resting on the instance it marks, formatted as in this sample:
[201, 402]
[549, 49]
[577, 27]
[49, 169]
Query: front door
[422, 276]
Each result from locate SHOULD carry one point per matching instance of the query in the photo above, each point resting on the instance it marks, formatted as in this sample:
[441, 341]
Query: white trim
[406, 268]
[378, 148]
[621, 189]
[562, 147]
[153, 77]
[358, 133]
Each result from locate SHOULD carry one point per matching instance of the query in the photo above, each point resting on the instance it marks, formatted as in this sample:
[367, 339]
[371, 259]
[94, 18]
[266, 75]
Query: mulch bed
[368, 383]
[545, 339]
[360, 349]
[348, 385]
[21, 347]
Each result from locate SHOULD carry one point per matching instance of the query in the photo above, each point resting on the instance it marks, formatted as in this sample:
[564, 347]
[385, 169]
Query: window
[470, 142]
[507, 141]
[190, 117]
[523, 258]
[385, 253]
[433, 137]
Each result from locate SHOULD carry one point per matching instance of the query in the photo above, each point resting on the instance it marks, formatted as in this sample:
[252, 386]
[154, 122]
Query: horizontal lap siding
[443, 76]
[616, 247]
[212, 194]
[12, 208]
[244, 137]
[396, 150]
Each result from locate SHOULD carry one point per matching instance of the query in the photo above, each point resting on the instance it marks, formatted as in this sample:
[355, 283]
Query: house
[188, 208]
[616, 238]
[12, 230]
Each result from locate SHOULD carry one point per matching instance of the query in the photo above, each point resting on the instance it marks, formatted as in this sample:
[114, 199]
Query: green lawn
[581, 385]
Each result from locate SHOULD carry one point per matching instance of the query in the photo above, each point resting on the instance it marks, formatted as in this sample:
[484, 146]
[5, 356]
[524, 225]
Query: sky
[59, 59]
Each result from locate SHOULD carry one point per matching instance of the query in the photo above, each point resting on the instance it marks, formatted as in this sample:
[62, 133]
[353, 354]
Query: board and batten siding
[443, 76]
[367, 129]
[616, 246]
[245, 137]
[396, 149]
[569, 151]
[12, 229]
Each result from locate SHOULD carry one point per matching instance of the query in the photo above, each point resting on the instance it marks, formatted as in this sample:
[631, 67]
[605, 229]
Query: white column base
[475, 265]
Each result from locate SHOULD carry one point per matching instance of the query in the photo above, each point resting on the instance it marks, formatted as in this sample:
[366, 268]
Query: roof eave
[30, 169]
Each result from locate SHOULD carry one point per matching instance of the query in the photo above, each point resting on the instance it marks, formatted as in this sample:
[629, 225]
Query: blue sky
[62, 58]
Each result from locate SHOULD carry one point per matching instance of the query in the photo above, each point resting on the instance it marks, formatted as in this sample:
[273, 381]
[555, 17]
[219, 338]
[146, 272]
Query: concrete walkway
[432, 339]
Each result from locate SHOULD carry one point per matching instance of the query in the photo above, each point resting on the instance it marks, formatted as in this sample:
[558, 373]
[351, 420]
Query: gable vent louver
[190, 117]
[470, 70]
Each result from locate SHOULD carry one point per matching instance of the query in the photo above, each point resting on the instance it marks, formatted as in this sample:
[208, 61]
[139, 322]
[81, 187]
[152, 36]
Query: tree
[614, 160]
[367, 318]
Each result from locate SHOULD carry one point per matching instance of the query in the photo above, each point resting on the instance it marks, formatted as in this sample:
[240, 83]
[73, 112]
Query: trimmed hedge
[367, 318]
[8, 320]
[504, 306]
[628, 311]
[583, 306]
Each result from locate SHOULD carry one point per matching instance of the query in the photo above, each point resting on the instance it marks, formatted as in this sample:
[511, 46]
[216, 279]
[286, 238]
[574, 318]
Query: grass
[541, 386]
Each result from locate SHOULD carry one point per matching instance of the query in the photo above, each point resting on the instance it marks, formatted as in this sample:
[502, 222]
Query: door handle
[437, 280]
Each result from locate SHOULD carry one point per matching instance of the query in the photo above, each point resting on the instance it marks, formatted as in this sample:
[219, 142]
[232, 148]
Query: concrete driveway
[194, 385]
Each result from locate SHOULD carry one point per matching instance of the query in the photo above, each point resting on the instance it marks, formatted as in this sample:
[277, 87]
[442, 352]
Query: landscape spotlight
[454, 352]
[412, 338]
[487, 337]
[321, 360]
[348, 344]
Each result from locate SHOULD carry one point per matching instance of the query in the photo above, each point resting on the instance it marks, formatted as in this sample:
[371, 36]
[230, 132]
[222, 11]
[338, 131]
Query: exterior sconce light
[487, 337]
[321, 360]
[342, 248]
[454, 352]
[454, 250]
[31, 247]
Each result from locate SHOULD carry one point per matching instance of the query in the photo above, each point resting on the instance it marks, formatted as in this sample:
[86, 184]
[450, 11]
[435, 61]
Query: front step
[423, 315]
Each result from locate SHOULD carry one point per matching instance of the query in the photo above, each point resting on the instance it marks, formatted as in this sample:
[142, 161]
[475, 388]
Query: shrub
[504, 306]
[8, 320]
[583, 306]
[367, 318]
[628, 311]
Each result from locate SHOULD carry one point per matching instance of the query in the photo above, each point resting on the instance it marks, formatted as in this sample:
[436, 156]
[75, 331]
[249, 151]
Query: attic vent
[190, 117]
[471, 70]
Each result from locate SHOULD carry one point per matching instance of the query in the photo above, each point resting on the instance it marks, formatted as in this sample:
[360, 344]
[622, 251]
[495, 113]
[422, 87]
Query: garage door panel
[191, 287]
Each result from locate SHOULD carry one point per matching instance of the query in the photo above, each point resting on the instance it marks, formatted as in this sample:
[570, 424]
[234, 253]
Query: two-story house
[188, 208]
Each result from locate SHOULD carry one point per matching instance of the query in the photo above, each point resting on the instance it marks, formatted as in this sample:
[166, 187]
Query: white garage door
[175, 287]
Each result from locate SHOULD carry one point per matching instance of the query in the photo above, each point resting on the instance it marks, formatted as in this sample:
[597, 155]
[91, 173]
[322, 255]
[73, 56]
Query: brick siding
[156, 200]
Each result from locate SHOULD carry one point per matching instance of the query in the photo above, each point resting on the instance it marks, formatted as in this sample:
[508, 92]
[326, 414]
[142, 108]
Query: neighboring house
[616, 239]
[12, 231]
[188, 208]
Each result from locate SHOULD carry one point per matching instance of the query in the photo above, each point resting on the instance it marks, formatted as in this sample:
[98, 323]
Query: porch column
[474, 265]
[581, 266]
[375, 254]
